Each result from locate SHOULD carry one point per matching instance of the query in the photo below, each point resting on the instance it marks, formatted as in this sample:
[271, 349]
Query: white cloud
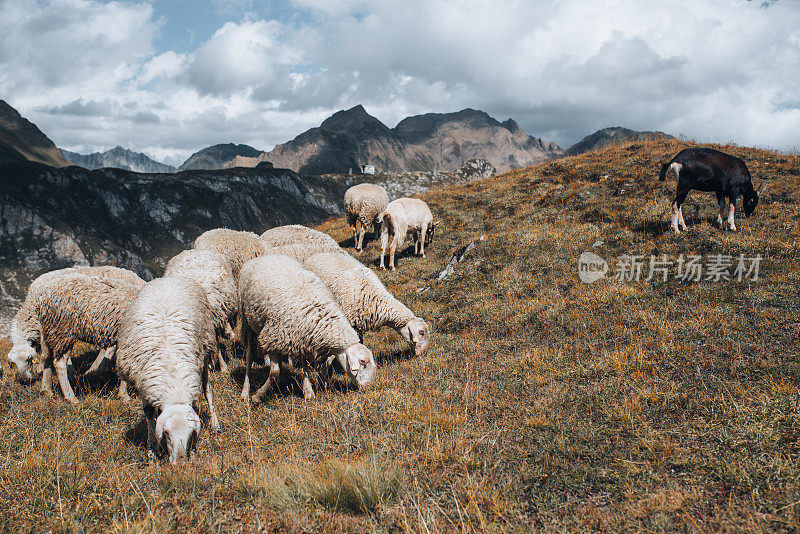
[90, 75]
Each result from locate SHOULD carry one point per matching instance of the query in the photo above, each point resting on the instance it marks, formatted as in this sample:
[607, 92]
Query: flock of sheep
[291, 295]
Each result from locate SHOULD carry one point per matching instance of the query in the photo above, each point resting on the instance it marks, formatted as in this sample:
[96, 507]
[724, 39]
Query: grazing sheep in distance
[166, 339]
[363, 203]
[365, 301]
[706, 169]
[289, 313]
[65, 306]
[296, 234]
[401, 217]
[212, 270]
[239, 246]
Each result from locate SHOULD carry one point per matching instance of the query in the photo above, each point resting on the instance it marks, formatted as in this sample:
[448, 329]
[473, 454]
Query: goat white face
[417, 334]
[177, 429]
[25, 358]
[359, 364]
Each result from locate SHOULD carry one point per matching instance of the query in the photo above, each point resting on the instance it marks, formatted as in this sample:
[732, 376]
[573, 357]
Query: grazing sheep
[212, 270]
[166, 339]
[401, 217]
[65, 306]
[706, 169]
[365, 301]
[296, 233]
[240, 247]
[301, 251]
[289, 313]
[363, 203]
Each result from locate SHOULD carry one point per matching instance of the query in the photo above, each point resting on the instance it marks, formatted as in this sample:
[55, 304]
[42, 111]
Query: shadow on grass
[395, 356]
[137, 435]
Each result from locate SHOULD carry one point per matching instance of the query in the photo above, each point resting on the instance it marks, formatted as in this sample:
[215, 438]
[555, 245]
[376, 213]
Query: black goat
[706, 169]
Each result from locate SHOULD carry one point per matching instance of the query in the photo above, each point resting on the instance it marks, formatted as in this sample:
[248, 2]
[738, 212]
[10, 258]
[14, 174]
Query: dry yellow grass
[543, 404]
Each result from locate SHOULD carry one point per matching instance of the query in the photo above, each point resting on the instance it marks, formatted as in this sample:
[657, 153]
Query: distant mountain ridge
[608, 136]
[433, 141]
[217, 156]
[118, 158]
[21, 140]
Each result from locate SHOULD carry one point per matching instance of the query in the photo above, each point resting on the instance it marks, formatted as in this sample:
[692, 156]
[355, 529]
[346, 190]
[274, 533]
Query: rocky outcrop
[21, 140]
[434, 141]
[609, 136]
[118, 158]
[218, 157]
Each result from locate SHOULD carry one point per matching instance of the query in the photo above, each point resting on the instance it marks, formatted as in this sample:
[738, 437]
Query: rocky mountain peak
[21, 139]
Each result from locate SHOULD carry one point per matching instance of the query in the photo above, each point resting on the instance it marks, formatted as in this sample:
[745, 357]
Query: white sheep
[366, 302]
[301, 251]
[362, 204]
[212, 270]
[402, 217]
[239, 246]
[289, 313]
[65, 306]
[166, 339]
[296, 233]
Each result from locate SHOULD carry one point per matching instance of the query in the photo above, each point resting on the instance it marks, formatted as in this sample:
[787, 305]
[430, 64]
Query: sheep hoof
[255, 399]
[394, 269]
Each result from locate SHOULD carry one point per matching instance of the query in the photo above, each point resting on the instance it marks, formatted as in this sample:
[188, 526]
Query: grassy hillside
[544, 403]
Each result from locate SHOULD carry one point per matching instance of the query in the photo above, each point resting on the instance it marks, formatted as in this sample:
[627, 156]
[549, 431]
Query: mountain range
[433, 141]
[119, 158]
[350, 138]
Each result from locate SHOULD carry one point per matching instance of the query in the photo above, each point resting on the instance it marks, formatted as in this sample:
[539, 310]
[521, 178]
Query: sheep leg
[152, 442]
[47, 381]
[123, 391]
[721, 202]
[274, 374]
[731, 210]
[681, 222]
[421, 239]
[46, 360]
[361, 232]
[229, 333]
[308, 389]
[102, 356]
[223, 367]
[207, 389]
[60, 364]
[248, 357]
[392, 249]
[676, 207]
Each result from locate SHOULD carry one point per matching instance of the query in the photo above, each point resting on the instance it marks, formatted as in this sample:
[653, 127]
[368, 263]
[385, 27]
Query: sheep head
[27, 361]
[357, 360]
[177, 429]
[417, 335]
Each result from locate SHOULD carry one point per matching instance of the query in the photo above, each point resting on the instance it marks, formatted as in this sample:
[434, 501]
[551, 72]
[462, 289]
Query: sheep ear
[159, 428]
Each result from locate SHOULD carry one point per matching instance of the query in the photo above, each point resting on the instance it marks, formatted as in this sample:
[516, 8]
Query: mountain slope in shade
[434, 141]
[608, 136]
[118, 158]
[217, 156]
[21, 140]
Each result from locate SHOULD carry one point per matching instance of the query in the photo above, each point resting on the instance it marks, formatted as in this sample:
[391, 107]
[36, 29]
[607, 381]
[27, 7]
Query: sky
[170, 77]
